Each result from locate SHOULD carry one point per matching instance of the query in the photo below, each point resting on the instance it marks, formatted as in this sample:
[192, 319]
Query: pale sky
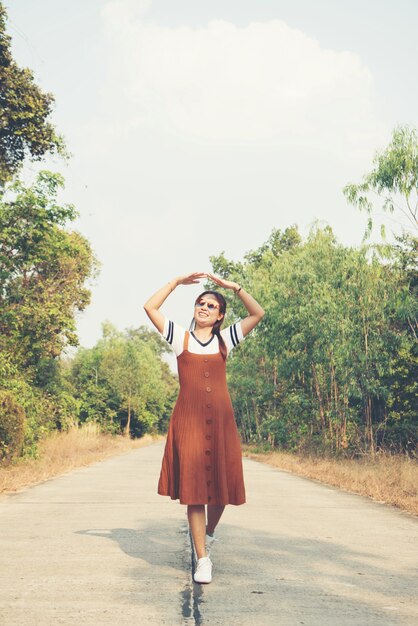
[198, 127]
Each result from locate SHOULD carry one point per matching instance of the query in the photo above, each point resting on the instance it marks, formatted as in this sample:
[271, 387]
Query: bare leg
[214, 515]
[197, 524]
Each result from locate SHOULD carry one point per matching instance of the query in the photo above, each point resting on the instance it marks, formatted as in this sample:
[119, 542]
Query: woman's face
[206, 311]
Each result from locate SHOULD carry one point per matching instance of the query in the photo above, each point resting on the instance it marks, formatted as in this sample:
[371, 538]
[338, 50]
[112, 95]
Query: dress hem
[202, 503]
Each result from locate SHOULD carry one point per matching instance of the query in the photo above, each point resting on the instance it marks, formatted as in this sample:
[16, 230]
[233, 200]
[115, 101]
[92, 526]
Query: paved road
[98, 546]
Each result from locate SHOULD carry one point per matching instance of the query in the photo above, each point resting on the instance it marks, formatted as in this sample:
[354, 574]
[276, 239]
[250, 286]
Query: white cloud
[219, 84]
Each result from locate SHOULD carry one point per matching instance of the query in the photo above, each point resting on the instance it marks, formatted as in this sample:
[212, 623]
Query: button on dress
[202, 462]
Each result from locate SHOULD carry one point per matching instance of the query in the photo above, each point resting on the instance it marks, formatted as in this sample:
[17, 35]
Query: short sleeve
[232, 335]
[174, 335]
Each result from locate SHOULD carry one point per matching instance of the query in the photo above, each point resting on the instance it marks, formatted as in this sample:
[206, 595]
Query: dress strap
[186, 341]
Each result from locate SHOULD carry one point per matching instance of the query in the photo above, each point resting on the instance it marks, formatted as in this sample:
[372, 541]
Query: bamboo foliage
[319, 373]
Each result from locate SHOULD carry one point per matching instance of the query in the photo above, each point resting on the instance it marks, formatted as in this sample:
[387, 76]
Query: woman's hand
[255, 311]
[153, 304]
[190, 279]
[226, 284]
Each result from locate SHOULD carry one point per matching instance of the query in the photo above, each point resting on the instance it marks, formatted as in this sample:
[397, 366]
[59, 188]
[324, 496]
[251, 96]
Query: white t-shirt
[174, 334]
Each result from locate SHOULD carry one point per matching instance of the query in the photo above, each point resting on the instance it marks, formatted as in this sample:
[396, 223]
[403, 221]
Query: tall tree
[122, 382]
[43, 269]
[393, 181]
[25, 129]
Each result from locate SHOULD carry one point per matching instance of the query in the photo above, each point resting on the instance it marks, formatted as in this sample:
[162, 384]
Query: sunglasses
[211, 306]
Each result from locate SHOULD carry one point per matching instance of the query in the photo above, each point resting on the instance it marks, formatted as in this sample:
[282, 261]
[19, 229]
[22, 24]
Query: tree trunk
[369, 425]
[344, 441]
[128, 423]
[257, 422]
[319, 396]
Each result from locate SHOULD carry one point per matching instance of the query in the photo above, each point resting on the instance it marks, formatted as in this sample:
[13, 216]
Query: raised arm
[255, 311]
[154, 303]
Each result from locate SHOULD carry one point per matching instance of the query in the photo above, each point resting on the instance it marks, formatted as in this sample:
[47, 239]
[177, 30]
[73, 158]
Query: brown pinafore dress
[202, 461]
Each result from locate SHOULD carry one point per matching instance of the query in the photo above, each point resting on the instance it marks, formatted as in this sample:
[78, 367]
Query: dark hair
[216, 329]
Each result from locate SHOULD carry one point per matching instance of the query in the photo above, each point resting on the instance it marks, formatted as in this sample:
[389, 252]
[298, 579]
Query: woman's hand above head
[255, 311]
[226, 284]
[153, 304]
[190, 279]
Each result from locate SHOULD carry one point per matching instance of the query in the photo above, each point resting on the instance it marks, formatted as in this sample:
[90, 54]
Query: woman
[202, 463]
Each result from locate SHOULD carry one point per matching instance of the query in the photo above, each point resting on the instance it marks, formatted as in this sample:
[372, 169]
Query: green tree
[12, 426]
[393, 181]
[319, 371]
[123, 383]
[43, 269]
[133, 372]
[84, 380]
[24, 111]
[393, 184]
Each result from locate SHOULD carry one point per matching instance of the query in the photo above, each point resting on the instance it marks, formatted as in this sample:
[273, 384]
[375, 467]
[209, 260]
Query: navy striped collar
[201, 342]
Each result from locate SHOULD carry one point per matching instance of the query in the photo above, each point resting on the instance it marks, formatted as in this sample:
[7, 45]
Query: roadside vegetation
[121, 386]
[333, 368]
[388, 478]
[63, 451]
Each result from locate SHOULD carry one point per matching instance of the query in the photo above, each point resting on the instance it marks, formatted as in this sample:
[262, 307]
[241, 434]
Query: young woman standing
[202, 463]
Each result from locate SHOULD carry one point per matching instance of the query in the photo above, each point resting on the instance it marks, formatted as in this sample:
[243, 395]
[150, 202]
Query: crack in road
[192, 594]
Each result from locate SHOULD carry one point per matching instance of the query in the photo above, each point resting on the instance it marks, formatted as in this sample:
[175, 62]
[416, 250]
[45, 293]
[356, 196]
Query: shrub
[12, 427]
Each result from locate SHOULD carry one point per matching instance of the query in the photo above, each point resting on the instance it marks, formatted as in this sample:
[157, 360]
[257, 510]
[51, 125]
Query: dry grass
[392, 479]
[62, 452]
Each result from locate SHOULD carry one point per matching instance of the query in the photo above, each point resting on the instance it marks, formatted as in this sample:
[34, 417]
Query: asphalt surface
[99, 546]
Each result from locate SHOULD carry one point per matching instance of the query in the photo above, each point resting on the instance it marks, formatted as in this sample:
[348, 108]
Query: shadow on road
[267, 577]
[154, 544]
[163, 547]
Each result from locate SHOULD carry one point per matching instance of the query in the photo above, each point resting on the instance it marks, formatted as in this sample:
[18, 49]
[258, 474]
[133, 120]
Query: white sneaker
[203, 573]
